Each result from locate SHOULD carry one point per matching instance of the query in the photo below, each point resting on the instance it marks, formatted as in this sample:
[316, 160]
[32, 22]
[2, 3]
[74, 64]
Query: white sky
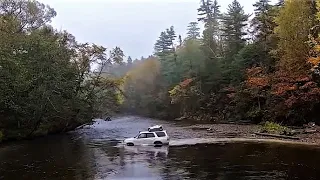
[133, 25]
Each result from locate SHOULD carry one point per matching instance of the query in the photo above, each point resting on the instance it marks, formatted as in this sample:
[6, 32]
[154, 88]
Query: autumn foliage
[256, 78]
[186, 82]
[181, 91]
[223, 77]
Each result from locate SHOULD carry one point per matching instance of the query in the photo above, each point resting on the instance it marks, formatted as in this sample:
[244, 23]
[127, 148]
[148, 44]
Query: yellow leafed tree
[294, 24]
[142, 86]
[314, 58]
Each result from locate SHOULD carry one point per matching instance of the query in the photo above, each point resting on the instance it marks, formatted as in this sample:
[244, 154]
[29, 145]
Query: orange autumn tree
[255, 93]
[294, 94]
[290, 93]
[257, 83]
[187, 95]
[180, 91]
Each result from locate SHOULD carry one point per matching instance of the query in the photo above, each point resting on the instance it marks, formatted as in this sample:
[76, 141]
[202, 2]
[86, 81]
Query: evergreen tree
[205, 12]
[193, 30]
[262, 23]
[171, 37]
[180, 40]
[129, 61]
[263, 30]
[234, 22]
[216, 15]
[165, 43]
[209, 14]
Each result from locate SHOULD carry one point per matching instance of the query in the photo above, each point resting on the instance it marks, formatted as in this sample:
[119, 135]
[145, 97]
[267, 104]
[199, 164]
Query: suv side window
[142, 136]
[161, 134]
[150, 135]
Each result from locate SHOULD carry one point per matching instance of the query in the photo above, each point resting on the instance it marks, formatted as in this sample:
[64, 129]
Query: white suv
[156, 138]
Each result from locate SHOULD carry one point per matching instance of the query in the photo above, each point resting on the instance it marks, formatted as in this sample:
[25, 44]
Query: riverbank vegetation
[274, 128]
[253, 66]
[49, 82]
[259, 67]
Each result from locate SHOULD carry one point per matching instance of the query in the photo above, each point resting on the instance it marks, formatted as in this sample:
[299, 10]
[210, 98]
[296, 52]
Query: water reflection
[96, 153]
[246, 161]
[152, 152]
[57, 157]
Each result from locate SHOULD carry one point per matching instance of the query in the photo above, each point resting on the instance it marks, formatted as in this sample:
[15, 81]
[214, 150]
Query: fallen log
[81, 126]
[181, 118]
[309, 131]
[278, 136]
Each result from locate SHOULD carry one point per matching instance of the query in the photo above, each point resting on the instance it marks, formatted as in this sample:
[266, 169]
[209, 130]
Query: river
[95, 153]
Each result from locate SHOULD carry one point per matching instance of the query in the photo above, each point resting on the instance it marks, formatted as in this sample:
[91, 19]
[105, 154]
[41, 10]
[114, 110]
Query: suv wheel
[157, 144]
[130, 144]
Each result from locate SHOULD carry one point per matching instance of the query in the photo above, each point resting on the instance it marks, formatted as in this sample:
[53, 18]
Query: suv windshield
[161, 134]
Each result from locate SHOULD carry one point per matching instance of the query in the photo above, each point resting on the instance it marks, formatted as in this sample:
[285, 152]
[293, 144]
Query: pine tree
[205, 11]
[262, 23]
[180, 40]
[234, 22]
[193, 30]
[165, 43]
[209, 13]
[216, 15]
[263, 30]
[171, 37]
[129, 61]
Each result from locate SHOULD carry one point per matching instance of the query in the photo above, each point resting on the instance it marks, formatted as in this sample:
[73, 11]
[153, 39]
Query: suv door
[146, 138]
[141, 139]
[151, 138]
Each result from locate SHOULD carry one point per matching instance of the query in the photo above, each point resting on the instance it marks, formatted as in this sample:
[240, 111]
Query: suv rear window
[161, 134]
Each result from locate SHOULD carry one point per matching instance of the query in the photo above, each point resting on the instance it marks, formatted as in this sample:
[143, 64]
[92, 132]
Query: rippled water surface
[94, 153]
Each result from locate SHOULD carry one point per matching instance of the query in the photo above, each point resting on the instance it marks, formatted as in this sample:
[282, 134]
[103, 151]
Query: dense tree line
[241, 67]
[48, 81]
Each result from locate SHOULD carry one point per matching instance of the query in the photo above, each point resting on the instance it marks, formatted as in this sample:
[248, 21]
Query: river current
[95, 153]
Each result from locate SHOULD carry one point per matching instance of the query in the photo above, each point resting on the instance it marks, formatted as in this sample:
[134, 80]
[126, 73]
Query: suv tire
[130, 144]
[157, 144]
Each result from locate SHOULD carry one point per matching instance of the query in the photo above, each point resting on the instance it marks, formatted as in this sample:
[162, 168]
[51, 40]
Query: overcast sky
[133, 25]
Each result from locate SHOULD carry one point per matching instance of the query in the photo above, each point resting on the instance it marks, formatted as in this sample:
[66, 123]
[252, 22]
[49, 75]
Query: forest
[255, 67]
[50, 83]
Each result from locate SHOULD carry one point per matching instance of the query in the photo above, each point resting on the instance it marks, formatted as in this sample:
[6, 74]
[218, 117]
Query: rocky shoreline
[252, 132]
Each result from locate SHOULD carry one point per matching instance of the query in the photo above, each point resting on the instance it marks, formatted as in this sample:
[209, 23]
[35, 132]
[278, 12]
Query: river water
[95, 153]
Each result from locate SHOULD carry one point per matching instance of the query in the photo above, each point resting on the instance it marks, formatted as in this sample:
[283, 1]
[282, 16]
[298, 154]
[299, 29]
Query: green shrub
[272, 127]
